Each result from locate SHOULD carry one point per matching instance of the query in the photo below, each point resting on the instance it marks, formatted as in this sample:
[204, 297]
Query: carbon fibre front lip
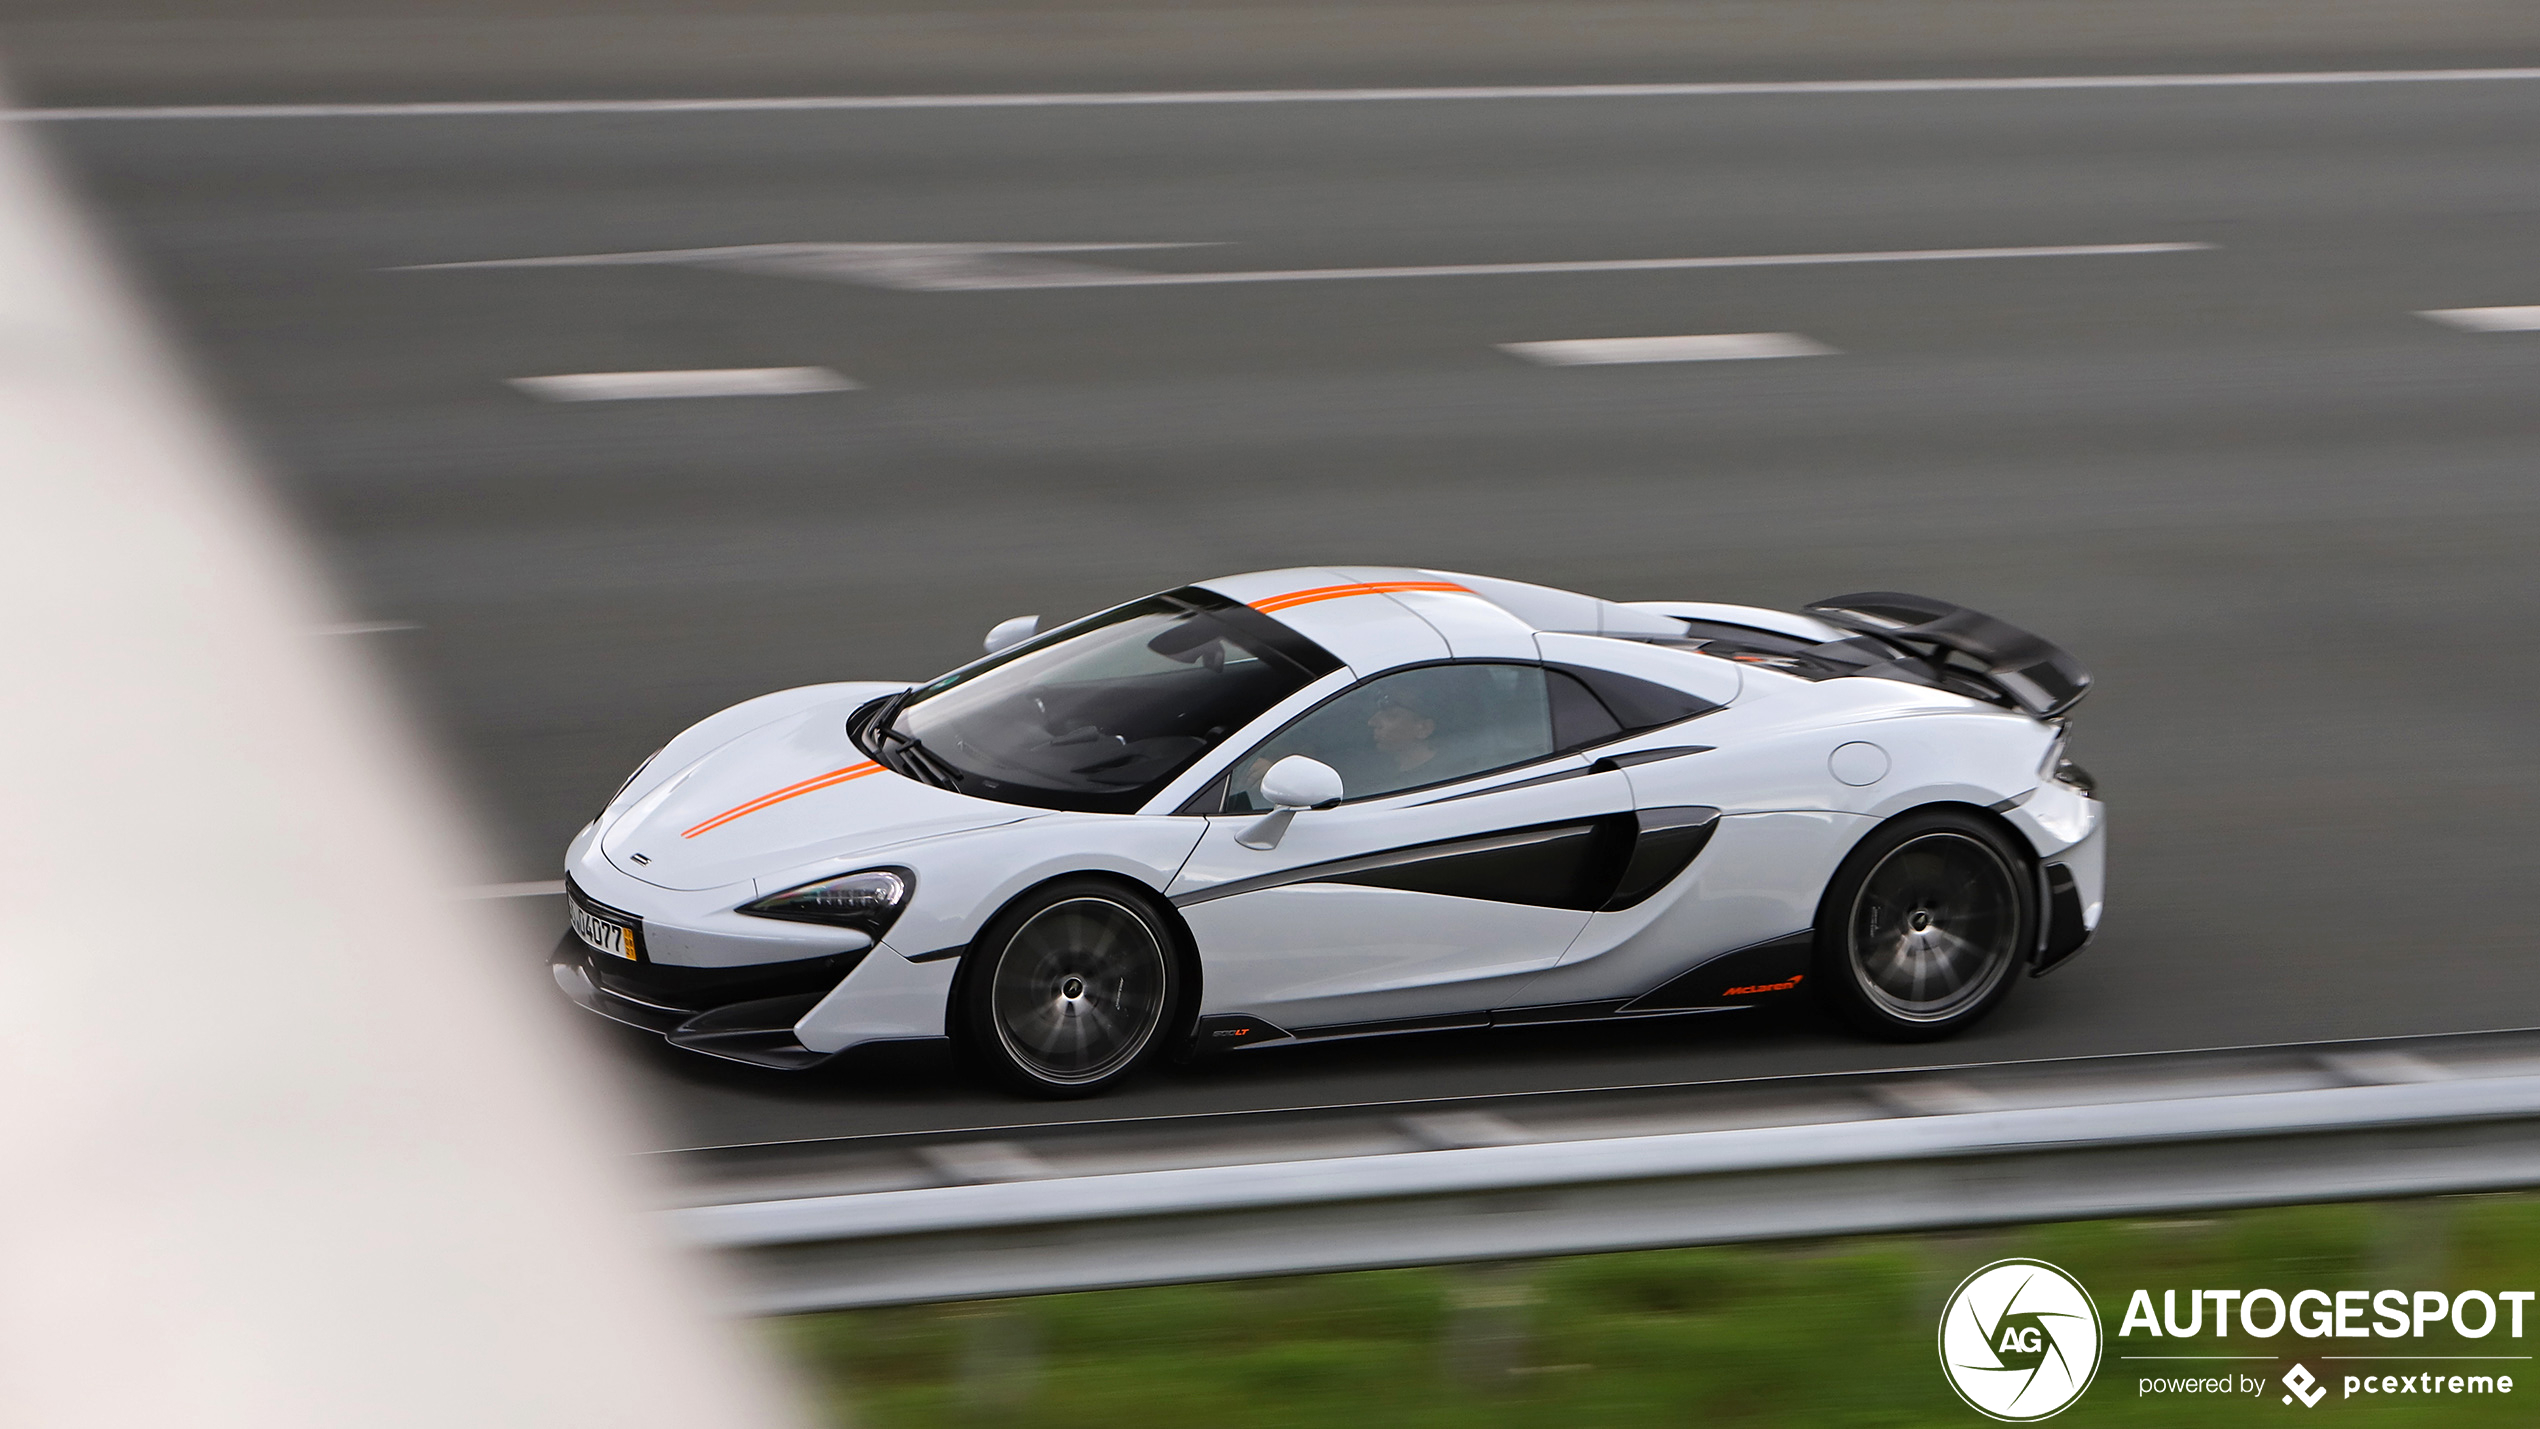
[573, 977]
[757, 1031]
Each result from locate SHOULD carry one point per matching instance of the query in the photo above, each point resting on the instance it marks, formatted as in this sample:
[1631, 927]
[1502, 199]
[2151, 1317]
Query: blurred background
[2282, 513]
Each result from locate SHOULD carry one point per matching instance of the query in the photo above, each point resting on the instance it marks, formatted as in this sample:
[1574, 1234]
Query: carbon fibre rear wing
[2038, 675]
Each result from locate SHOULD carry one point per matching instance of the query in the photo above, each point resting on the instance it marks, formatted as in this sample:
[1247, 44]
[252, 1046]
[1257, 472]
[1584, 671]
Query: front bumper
[739, 1014]
[722, 983]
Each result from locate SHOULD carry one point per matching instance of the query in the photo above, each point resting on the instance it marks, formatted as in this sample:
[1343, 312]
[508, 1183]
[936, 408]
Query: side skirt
[1732, 982]
[1736, 977]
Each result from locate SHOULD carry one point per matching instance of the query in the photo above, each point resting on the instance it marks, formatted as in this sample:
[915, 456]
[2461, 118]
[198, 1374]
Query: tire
[1070, 989]
[1924, 927]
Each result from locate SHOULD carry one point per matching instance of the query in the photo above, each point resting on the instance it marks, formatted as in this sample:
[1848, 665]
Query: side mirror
[1007, 634]
[1293, 784]
[1298, 782]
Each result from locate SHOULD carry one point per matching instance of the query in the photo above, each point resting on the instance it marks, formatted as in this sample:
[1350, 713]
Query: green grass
[1828, 1333]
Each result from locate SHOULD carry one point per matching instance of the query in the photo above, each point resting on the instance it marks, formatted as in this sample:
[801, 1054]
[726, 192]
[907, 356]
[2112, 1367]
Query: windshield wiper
[865, 726]
[927, 765]
[901, 753]
[906, 757]
[880, 723]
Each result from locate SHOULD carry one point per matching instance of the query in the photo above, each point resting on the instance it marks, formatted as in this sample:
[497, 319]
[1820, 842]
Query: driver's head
[1401, 732]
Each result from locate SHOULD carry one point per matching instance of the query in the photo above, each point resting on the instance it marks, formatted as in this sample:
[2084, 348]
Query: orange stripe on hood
[816, 782]
[1340, 592]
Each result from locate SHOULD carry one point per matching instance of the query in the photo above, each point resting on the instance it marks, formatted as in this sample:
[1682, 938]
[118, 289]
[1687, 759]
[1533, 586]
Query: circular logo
[2019, 1340]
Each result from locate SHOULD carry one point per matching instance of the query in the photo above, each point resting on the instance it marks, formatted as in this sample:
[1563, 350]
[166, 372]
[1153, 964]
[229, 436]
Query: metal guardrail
[1099, 1205]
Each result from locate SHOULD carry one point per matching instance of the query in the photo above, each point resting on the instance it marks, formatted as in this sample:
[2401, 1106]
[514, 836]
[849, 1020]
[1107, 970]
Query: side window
[1413, 729]
[1640, 704]
[1579, 718]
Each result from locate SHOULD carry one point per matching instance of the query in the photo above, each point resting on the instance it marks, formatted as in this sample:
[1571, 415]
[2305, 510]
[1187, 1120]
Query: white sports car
[1308, 804]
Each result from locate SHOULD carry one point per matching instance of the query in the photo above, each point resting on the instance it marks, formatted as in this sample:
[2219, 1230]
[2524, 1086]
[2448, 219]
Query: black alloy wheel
[1925, 925]
[1072, 988]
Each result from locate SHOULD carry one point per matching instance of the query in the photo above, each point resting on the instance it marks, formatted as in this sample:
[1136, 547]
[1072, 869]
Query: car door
[1466, 854]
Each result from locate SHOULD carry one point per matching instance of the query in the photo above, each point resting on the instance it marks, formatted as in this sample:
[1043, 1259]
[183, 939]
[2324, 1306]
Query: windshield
[1100, 715]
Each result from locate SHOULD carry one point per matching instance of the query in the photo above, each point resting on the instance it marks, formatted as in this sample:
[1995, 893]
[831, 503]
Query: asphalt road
[2286, 519]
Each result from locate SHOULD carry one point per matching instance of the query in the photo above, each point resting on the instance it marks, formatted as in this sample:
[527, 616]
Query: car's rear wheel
[1922, 930]
[1070, 989]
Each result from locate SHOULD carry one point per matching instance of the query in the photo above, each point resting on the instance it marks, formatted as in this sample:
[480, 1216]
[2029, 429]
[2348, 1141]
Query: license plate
[604, 933]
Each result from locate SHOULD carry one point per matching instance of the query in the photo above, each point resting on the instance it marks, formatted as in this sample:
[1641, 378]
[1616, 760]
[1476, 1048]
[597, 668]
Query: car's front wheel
[1922, 929]
[1069, 989]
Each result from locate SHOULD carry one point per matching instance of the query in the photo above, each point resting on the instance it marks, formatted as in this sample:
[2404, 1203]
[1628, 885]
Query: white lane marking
[706, 382]
[915, 267]
[2487, 319]
[452, 109]
[985, 267]
[369, 627]
[1701, 347]
[819, 254]
[510, 890]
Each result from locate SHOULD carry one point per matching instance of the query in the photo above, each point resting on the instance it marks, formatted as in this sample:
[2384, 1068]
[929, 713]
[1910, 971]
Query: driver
[1388, 747]
[1401, 733]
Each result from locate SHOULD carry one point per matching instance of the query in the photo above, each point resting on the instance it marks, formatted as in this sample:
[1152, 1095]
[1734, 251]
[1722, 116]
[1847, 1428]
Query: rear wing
[2038, 675]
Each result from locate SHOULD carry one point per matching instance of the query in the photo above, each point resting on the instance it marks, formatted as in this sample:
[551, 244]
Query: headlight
[866, 902]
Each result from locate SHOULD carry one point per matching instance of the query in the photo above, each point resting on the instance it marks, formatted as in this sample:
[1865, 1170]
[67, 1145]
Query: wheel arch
[1839, 993]
[1185, 946]
[2032, 863]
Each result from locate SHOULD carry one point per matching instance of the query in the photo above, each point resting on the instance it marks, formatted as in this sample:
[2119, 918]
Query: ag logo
[2019, 1340]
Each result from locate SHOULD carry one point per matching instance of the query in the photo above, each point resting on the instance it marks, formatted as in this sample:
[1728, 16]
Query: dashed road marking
[1699, 347]
[2487, 319]
[704, 382]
